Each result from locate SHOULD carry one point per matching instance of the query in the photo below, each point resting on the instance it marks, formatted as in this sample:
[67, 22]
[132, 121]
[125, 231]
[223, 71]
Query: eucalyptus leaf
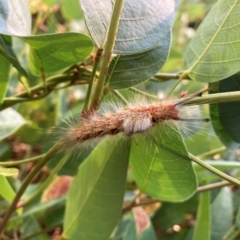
[129, 70]
[161, 165]
[95, 197]
[141, 25]
[213, 53]
[10, 121]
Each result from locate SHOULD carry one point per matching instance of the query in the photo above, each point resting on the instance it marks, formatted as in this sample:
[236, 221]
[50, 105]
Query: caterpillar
[137, 117]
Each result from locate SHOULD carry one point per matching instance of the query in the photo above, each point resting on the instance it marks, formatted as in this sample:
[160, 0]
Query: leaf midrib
[94, 184]
[213, 38]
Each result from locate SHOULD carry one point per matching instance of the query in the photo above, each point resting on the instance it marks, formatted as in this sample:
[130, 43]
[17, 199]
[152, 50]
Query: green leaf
[7, 52]
[39, 208]
[221, 214]
[161, 165]
[8, 171]
[10, 122]
[225, 117]
[139, 227]
[54, 52]
[30, 226]
[96, 195]
[238, 218]
[15, 17]
[4, 74]
[202, 226]
[142, 24]
[129, 70]
[171, 214]
[6, 190]
[213, 53]
[13, 24]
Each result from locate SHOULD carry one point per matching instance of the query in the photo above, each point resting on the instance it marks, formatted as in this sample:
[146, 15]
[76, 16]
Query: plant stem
[167, 76]
[227, 235]
[14, 163]
[221, 174]
[235, 235]
[50, 84]
[25, 184]
[174, 87]
[215, 98]
[120, 97]
[48, 180]
[108, 49]
[144, 93]
[142, 203]
[213, 186]
[95, 66]
[212, 152]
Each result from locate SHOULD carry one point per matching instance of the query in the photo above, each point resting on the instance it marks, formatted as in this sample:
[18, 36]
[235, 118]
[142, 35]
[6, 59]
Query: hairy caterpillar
[138, 117]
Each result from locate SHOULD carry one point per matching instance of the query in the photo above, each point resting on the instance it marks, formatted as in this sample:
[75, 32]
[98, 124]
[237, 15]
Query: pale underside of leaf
[15, 17]
[141, 25]
[10, 121]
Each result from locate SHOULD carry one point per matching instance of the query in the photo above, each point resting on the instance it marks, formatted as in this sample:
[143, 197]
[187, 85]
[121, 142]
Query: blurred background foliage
[29, 126]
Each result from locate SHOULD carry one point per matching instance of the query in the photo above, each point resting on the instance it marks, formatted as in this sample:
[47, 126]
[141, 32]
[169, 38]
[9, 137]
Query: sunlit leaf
[6, 190]
[213, 53]
[161, 166]
[8, 171]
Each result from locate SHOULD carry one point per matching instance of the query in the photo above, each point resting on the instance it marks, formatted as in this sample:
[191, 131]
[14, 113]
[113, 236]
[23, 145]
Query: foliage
[58, 56]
